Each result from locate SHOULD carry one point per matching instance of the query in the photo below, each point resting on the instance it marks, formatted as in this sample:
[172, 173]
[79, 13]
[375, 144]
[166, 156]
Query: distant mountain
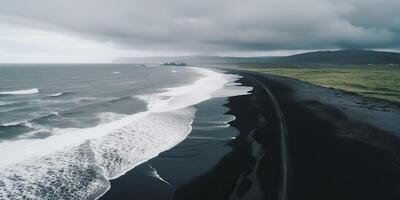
[194, 60]
[318, 57]
[343, 57]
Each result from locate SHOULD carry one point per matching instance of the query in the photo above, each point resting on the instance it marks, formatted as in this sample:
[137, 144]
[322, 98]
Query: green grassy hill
[381, 82]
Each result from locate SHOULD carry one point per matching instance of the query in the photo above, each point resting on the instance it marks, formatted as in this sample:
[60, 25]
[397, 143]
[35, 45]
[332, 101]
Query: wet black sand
[338, 148]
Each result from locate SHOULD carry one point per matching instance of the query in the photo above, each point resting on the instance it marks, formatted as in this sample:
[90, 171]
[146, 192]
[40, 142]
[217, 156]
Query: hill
[194, 60]
[343, 57]
[318, 57]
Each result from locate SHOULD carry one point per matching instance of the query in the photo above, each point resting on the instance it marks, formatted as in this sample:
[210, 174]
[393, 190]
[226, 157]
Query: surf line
[155, 174]
[210, 138]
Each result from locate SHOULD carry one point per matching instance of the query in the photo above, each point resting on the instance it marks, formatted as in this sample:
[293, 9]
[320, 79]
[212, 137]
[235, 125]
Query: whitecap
[18, 123]
[56, 94]
[20, 92]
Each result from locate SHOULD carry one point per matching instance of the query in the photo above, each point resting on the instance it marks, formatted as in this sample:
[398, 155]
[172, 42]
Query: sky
[103, 30]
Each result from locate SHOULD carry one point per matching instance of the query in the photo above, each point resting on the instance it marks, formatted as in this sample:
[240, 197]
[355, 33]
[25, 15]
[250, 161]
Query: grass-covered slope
[378, 82]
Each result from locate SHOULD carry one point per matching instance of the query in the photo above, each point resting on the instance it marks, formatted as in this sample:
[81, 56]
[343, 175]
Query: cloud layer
[216, 25]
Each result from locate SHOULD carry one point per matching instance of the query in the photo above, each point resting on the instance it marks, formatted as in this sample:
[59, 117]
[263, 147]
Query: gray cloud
[217, 25]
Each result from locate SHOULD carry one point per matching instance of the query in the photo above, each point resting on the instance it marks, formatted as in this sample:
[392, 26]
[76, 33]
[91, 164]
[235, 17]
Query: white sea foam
[54, 113]
[56, 94]
[218, 123]
[85, 99]
[20, 92]
[106, 117]
[37, 129]
[155, 174]
[222, 120]
[11, 124]
[211, 127]
[17, 123]
[210, 138]
[116, 72]
[231, 87]
[77, 163]
[203, 89]
[68, 174]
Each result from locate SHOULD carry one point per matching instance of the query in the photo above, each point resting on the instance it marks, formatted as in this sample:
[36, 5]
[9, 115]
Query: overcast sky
[101, 30]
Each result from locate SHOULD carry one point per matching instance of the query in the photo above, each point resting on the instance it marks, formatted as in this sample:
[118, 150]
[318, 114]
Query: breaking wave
[57, 94]
[20, 92]
[77, 163]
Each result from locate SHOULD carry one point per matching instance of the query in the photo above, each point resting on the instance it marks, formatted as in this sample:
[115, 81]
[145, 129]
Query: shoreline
[338, 148]
[336, 153]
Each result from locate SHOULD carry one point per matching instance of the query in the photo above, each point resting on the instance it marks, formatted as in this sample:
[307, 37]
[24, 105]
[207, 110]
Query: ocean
[67, 130]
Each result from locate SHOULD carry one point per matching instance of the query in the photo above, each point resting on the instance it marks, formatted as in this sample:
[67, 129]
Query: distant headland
[174, 64]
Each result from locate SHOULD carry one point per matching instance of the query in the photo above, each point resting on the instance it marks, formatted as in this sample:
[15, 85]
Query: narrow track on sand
[285, 158]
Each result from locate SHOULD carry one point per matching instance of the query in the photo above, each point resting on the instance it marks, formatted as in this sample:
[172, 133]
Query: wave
[28, 122]
[107, 150]
[210, 138]
[28, 128]
[106, 117]
[221, 120]
[59, 94]
[85, 103]
[211, 127]
[116, 100]
[13, 103]
[56, 94]
[23, 129]
[20, 92]
[3, 103]
[10, 131]
[213, 123]
[20, 123]
[82, 161]
[201, 90]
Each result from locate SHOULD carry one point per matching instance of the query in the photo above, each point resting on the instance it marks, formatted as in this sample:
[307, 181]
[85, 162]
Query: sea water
[66, 130]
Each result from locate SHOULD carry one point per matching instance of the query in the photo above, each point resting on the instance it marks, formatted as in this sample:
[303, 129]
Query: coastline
[336, 151]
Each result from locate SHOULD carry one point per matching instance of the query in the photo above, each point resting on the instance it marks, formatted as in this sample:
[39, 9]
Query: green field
[382, 82]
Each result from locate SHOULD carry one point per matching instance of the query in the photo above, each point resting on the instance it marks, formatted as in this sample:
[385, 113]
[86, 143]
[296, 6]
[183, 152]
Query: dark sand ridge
[339, 148]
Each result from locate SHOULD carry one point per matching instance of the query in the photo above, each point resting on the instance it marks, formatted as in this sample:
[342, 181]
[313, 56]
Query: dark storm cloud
[217, 25]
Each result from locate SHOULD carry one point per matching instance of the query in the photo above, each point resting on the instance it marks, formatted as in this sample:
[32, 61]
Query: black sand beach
[299, 142]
